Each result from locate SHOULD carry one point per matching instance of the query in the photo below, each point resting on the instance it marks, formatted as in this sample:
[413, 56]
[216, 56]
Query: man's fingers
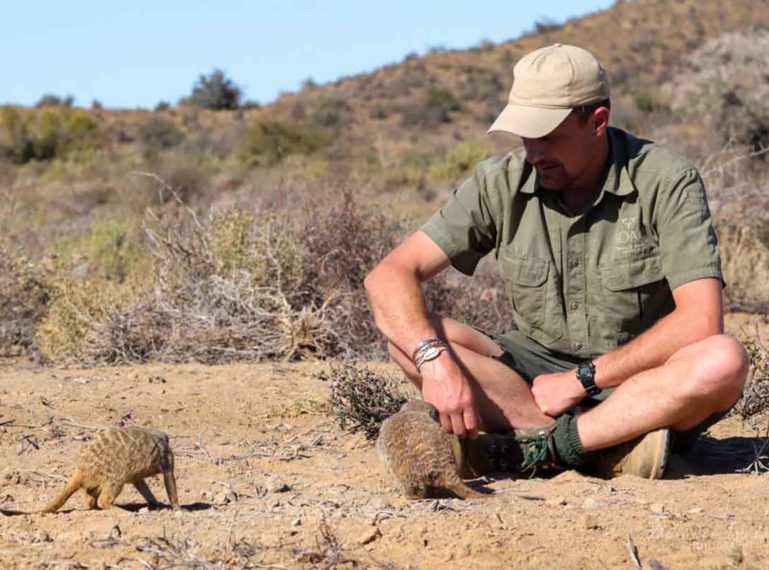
[446, 423]
[470, 417]
[458, 425]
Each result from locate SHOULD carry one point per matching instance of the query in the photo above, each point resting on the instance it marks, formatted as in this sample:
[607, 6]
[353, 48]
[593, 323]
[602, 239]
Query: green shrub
[330, 113]
[49, 100]
[459, 161]
[157, 133]
[52, 132]
[442, 99]
[215, 91]
[268, 142]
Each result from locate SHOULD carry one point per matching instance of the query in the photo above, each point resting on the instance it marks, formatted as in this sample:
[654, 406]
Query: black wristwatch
[586, 376]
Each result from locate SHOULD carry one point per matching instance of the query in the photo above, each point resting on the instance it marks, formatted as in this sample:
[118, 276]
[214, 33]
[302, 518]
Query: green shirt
[585, 284]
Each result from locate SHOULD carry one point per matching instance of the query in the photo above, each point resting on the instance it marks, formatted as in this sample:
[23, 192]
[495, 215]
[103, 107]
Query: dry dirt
[267, 480]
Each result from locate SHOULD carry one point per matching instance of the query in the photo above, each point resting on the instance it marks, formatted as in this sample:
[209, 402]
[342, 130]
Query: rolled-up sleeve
[687, 239]
[465, 228]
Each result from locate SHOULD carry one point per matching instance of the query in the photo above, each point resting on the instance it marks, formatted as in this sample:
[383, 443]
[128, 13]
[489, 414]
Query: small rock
[144, 510]
[226, 497]
[276, 485]
[42, 536]
[556, 502]
[590, 503]
[657, 508]
[591, 522]
[696, 510]
[296, 522]
[115, 532]
[379, 502]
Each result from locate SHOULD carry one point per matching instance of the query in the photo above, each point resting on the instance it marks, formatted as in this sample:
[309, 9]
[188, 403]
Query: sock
[568, 447]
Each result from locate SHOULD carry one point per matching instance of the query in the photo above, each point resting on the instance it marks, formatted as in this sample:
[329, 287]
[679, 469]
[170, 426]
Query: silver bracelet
[428, 350]
[424, 344]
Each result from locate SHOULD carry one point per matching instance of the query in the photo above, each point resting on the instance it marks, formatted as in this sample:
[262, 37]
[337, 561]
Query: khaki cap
[547, 84]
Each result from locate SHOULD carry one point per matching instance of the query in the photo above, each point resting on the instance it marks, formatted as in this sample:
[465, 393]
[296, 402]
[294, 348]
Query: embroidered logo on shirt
[630, 238]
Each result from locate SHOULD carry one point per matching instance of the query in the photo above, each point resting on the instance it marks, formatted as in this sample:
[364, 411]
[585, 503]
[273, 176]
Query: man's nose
[534, 151]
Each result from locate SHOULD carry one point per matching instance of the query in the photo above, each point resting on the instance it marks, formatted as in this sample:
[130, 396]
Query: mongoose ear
[422, 407]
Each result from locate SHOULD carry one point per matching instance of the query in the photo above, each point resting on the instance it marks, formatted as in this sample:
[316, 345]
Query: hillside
[358, 161]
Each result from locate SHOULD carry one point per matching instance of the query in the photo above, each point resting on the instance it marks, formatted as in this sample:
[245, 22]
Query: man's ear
[600, 120]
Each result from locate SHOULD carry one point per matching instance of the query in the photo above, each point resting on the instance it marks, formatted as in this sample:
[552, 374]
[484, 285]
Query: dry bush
[727, 88]
[479, 300]
[360, 399]
[755, 397]
[234, 287]
[346, 241]
[78, 310]
[165, 552]
[25, 292]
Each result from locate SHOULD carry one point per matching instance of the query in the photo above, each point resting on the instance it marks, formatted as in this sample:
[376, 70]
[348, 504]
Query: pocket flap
[526, 271]
[631, 275]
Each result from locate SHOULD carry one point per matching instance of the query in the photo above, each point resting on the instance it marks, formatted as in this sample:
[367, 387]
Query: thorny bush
[360, 399]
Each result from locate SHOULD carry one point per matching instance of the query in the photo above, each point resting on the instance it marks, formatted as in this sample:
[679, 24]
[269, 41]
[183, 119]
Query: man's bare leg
[697, 381]
[503, 397]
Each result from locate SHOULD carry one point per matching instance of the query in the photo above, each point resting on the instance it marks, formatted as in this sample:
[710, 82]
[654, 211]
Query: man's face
[563, 157]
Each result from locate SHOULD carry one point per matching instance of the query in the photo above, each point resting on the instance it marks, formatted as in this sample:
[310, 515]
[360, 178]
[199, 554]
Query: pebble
[657, 508]
[379, 502]
[556, 502]
[590, 504]
[276, 485]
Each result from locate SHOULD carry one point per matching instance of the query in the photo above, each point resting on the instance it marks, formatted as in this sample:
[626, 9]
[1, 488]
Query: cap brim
[529, 122]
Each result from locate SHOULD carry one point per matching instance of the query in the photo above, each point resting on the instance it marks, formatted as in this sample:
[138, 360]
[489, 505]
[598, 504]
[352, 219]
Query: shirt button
[573, 305]
[577, 346]
[574, 262]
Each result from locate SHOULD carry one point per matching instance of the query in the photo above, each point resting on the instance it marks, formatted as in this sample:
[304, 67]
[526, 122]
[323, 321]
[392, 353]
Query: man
[606, 246]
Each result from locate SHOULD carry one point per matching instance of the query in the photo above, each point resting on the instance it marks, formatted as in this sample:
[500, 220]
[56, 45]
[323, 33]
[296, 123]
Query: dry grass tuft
[755, 397]
[328, 552]
[360, 399]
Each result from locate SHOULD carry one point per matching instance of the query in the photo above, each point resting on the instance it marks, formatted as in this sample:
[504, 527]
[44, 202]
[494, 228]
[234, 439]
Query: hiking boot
[512, 452]
[646, 456]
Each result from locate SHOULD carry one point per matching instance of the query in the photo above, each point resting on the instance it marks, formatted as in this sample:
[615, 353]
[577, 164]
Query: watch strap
[586, 377]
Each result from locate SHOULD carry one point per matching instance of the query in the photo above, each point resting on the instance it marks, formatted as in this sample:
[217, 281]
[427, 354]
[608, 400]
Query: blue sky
[135, 53]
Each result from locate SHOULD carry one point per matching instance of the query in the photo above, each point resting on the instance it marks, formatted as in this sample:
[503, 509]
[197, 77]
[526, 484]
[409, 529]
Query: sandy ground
[267, 480]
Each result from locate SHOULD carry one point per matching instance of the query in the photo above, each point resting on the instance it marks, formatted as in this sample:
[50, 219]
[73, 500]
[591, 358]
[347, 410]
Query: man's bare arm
[395, 293]
[698, 315]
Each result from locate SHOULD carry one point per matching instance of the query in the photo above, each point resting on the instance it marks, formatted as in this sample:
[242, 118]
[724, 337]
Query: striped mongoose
[117, 456]
[420, 457]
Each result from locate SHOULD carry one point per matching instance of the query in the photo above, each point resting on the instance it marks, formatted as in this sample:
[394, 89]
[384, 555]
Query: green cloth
[582, 285]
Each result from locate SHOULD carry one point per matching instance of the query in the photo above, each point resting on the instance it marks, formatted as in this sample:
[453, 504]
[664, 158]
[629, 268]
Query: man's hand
[557, 392]
[445, 387]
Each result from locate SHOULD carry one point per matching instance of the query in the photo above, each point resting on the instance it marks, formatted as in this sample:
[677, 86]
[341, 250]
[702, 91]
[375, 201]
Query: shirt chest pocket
[531, 285]
[627, 296]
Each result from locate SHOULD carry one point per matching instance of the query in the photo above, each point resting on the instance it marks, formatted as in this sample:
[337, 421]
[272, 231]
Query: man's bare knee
[719, 369]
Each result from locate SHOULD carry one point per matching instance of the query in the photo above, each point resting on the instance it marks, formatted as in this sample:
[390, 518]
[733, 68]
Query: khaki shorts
[530, 359]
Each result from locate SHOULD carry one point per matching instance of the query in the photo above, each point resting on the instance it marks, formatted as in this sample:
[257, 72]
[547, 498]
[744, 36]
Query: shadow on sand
[712, 456]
